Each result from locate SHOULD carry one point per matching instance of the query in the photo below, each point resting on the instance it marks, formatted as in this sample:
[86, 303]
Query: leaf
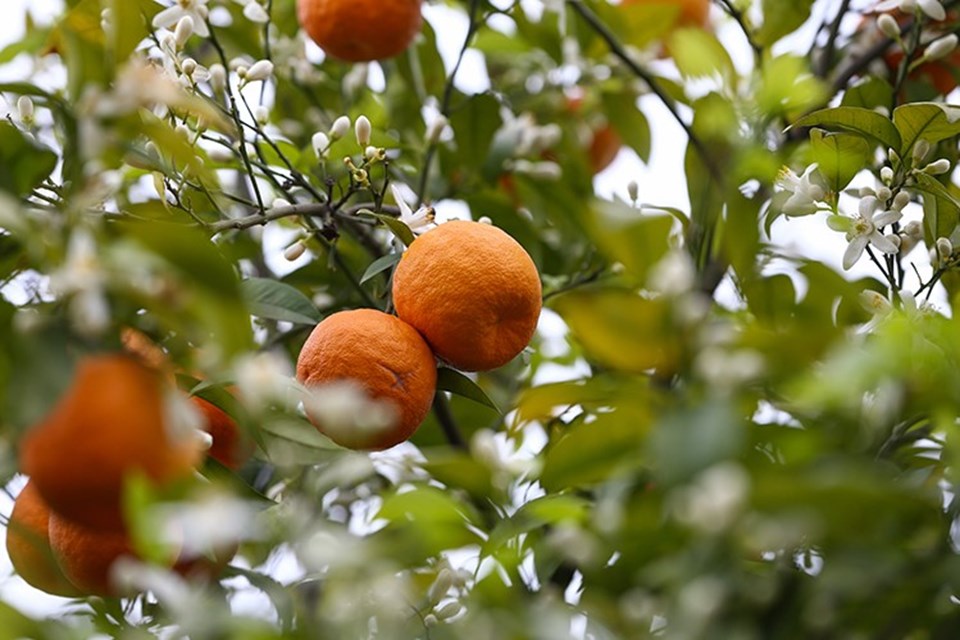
[941, 210]
[622, 330]
[455, 382]
[275, 300]
[857, 120]
[928, 121]
[781, 17]
[698, 53]
[868, 93]
[26, 162]
[399, 229]
[626, 234]
[474, 124]
[629, 121]
[380, 265]
[840, 156]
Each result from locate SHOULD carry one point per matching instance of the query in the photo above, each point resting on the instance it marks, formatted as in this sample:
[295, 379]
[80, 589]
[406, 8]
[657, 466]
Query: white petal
[256, 13]
[405, 211]
[854, 251]
[868, 205]
[884, 218]
[882, 243]
[169, 17]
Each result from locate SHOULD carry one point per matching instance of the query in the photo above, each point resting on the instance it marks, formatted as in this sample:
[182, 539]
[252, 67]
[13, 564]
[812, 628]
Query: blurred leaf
[840, 156]
[274, 300]
[629, 235]
[455, 382]
[474, 124]
[689, 441]
[628, 121]
[26, 162]
[781, 17]
[698, 53]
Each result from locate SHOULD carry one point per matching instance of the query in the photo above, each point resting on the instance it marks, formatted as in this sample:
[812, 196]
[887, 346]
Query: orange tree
[738, 416]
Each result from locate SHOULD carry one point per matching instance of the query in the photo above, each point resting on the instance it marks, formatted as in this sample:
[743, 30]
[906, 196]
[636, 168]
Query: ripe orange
[605, 142]
[229, 447]
[139, 344]
[360, 30]
[382, 354]
[86, 555]
[693, 13]
[110, 423]
[472, 291]
[28, 545]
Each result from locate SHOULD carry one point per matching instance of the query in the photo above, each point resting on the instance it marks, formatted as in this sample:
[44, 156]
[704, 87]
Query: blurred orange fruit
[141, 346]
[28, 545]
[693, 13]
[229, 447]
[383, 355]
[360, 30]
[86, 555]
[110, 423]
[472, 291]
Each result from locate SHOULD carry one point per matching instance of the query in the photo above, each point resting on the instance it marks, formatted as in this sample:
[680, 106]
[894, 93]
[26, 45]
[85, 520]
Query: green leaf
[130, 25]
[868, 93]
[840, 156]
[455, 382]
[399, 229]
[474, 124]
[941, 210]
[26, 162]
[380, 265]
[274, 300]
[781, 17]
[621, 329]
[628, 121]
[857, 120]
[698, 54]
[930, 121]
[628, 235]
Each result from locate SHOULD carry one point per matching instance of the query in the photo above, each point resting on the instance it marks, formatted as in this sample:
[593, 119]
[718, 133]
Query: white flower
[864, 229]
[805, 191]
[195, 9]
[932, 8]
[82, 276]
[255, 12]
[420, 221]
[263, 379]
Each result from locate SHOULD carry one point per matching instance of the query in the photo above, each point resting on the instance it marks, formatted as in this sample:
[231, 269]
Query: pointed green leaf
[840, 156]
[399, 229]
[864, 122]
[928, 121]
[380, 265]
[941, 210]
[455, 382]
[274, 300]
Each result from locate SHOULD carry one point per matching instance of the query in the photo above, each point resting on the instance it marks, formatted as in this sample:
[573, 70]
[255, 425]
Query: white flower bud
[901, 200]
[168, 42]
[363, 130]
[261, 70]
[294, 251]
[886, 175]
[633, 190]
[371, 153]
[920, 150]
[184, 131]
[884, 194]
[279, 202]
[25, 109]
[321, 144]
[937, 167]
[430, 620]
[545, 170]
[183, 31]
[218, 78]
[339, 128]
[189, 66]
[941, 48]
[888, 26]
[254, 12]
[944, 248]
[485, 220]
[438, 590]
[242, 72]
[262, 114]
[449, 610]
[894, 239]
[435, 129]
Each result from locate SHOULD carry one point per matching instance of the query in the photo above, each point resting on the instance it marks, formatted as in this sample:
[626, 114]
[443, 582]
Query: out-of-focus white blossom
[933, 8]
[942, 47]
[348, 414]
[255, 12]
[25, 110]
[264, 379]
[196, 10]
[675, 273]
[82, 276]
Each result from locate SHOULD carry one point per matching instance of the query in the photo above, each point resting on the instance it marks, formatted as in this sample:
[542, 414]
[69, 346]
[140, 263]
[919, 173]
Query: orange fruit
[383, 355]
[693, 13]
[206, 567]
[472, 291]
[604, 147]
[86, 555]
[28, 545]
[110, 423]
[360, 30]
[141, 346]
[229, 447]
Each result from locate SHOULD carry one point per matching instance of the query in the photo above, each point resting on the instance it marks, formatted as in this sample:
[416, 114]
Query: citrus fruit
[360, 30]
[604, 143]
[111, 422]
[384, 356]
[693, 13]
[141, 346]
[472, 291]
[86, 555]
[229, 447]
[28, 545]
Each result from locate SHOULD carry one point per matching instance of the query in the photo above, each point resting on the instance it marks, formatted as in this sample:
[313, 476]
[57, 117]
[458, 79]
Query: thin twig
[737, 15]
[305, 210]
[441, 409]
[823, 64]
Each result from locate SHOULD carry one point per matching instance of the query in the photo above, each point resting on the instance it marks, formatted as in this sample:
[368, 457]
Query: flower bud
[435, 130]
[485, 220]
[449, 610]
[321, 144]
[941, 48]
[886, 175]
[633, 190]
[25, 110]
[920, 150]
[189, 66]
[884, 194]
[340, 127]
[294, 251]
[371, 153]
[218, 78]
[901, 200]
[261, 70]
[874, 303]
[937, 167]
[944, 248]
[254, 12]
[894, 239]
[888, 26]
[183, 31]
[262, 115]
[438, 590]
[363, 130]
